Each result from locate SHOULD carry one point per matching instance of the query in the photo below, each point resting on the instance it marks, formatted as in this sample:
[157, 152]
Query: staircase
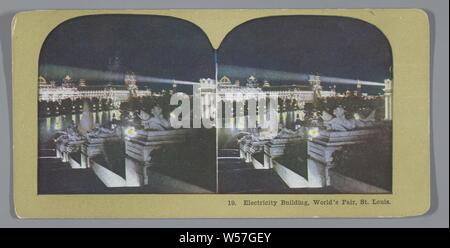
[56, 177]
[236, 176]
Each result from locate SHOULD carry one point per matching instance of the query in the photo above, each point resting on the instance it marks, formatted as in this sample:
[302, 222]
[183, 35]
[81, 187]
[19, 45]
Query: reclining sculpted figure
[157, 122]
[287, 133]
[64, 141]
[340, 123]
[369, 121]
[102, 132]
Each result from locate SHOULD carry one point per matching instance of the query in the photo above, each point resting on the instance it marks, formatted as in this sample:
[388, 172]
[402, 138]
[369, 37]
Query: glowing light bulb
[313, 132]
[130, 132]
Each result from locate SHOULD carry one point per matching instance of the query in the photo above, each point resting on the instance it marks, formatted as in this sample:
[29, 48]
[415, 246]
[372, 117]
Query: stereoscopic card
[221, 113]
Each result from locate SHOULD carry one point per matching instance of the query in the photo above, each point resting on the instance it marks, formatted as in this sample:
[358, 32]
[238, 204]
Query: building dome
[67, 82]
[225, 81]
[42, 81]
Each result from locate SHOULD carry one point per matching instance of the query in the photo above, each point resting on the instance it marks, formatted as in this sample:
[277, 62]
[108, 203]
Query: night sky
[175, 49]
[154, 46]
[331, 46]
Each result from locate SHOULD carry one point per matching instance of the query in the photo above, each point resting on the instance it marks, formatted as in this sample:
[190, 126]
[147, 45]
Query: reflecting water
[227, 136]
[49, 126]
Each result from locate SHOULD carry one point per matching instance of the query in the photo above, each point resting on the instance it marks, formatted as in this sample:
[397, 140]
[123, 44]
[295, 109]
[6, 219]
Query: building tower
[82, 83]
[252, 82]
[333, 90]
[388, 99]
[174, 87]
[130, 83]
[314, 81]
[358, 88]
[67, 82]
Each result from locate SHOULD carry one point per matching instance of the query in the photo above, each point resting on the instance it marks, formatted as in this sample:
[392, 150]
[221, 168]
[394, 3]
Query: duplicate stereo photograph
[143, 104]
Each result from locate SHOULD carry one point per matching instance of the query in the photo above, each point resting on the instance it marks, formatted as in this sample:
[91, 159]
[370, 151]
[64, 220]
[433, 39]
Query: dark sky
[331, 46]
[155, 46]
[175, 49]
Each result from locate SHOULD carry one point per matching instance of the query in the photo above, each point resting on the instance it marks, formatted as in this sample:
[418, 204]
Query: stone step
[236, 176]
[250, 181]
[228, 153]
[56, 177]
[47, 153]
[230, 164]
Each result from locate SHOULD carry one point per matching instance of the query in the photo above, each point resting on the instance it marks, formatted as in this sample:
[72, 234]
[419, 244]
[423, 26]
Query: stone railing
[275, 148]
[249, 147]
[321, 149]
[138, 152]
[66, 147]
[93, 146]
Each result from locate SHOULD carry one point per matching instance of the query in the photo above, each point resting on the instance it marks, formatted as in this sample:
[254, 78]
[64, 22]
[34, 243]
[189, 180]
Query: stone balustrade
[92, 147]
[65, 148]
[275, 148]
[321, 149]
[139, 149]
[254, 148]
[244, 147]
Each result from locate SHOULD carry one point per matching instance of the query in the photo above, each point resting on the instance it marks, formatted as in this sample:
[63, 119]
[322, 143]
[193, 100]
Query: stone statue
[340, 123]
[369, 121]
[66, 142]
[254, 135]
[101, 132]
[245, 138]
[270, 127]
[73, 135]
[145, 119]
[157, 122]
[287, 133]
[69, 135]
